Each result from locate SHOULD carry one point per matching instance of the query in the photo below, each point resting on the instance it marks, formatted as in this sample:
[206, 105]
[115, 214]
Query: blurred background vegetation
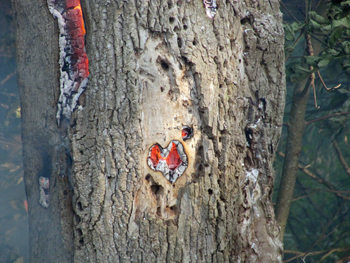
[318, 227]
[13, 214]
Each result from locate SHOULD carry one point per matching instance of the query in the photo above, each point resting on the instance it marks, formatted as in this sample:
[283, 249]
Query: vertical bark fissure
[263, 128]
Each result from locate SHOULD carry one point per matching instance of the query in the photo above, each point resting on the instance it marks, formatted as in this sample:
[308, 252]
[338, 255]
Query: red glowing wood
[76, 31]
[187, 132]
[72, 3]
[155, 155]
[173, 160]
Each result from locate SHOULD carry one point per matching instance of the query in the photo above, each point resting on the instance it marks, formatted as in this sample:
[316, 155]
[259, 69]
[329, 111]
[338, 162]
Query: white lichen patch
[44, 187]
[252, 175]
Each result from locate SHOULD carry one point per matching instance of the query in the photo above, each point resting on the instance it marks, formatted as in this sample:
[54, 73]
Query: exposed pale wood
[154, 67]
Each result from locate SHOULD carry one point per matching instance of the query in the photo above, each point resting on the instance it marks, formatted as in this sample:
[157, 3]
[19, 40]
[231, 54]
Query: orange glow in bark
[173, 160]
[25, 205]
[73, 61]
[187, 132]
[81, 18]
[170, 161]
[155, 155]
[76, 29]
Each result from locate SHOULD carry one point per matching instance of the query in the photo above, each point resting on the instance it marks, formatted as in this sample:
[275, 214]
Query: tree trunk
[129, 182]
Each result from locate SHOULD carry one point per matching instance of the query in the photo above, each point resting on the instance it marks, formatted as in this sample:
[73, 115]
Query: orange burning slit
[173, 160]
[73, 61]
[170, 161]
[76, 31]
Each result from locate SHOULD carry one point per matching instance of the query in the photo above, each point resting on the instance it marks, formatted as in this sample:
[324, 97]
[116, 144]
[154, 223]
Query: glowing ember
[187, 132]
[155, 155]
[171, 161]
[74, 64]
[75, 33]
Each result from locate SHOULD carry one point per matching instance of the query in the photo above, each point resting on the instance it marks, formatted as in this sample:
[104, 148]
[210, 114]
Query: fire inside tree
[170, 161]
[74, 64]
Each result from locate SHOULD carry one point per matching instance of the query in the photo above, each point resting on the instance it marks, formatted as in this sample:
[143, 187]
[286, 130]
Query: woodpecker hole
[164, 65]
[187, 132]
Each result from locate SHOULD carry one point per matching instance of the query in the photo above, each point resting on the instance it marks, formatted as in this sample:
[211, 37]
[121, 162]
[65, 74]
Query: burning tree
[165, 155]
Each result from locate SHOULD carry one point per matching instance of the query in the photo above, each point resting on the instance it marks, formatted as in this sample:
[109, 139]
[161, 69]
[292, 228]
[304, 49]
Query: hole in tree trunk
[170, 161]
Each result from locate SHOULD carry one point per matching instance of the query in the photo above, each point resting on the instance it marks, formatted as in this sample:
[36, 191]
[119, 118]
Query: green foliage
[334, 28]
[319, 219]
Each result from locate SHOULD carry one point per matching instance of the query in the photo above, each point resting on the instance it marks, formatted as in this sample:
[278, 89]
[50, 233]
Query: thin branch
[314, 253]
[320, 41]
[323, 235]
[343, 259]
[8, 77]
[312, 77]
[281, 3]
[295, 43]
[334, 250]
[313, 87]
[316, 190]
[300, 254]
[319, 180]
[303, 196]
[326, 117]
[324, 84]
[341, 157]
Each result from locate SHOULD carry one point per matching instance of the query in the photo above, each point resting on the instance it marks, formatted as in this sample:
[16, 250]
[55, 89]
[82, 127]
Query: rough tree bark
[155, 66]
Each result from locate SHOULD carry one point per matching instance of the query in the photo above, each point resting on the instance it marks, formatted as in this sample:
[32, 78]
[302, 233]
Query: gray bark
[44, 150]
[154, 67]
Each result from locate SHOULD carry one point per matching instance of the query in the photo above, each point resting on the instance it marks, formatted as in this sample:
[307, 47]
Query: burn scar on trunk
[170, 161]
[73, 61]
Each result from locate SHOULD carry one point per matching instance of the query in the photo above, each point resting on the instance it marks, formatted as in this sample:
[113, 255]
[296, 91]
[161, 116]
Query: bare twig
[324, 84]
[300, 254]
[8, 77]
[295, 43]
[281, 3]
[326, 117]
[320, 180]
[314, 253]
[332, 251]
[316, 190]
[343, 259]
[303, 196]
[312, 77]
[341, 157]
[323, 235]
